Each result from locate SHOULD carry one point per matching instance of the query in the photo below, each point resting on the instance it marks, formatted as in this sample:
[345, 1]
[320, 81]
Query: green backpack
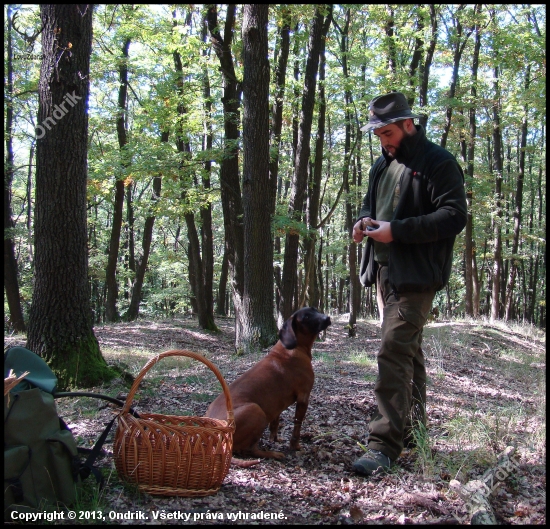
[42, 467]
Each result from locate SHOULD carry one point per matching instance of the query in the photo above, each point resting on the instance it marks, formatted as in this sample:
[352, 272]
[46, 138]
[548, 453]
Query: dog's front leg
[301, 409]
[274, 428]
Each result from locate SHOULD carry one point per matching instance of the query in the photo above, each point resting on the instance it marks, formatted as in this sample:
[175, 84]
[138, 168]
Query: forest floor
[486, 391]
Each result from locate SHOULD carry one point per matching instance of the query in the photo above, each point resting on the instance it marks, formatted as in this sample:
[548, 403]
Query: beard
[396, 151]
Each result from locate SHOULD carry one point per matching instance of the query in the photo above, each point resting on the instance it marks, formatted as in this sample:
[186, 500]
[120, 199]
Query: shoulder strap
[88, 466]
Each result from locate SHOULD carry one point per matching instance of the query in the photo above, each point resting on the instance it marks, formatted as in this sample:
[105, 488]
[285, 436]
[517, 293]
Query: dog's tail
[242, 463]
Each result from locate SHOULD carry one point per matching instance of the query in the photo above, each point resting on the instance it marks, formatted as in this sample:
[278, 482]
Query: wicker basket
[171, 455]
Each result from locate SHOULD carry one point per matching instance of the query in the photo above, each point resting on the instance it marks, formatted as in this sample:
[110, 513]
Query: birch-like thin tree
[288, 302]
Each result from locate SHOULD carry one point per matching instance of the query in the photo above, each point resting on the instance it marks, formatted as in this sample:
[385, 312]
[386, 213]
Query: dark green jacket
[430, 213]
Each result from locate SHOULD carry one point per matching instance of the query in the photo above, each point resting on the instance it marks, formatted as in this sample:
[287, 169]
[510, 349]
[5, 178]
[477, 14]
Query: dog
[283, 377]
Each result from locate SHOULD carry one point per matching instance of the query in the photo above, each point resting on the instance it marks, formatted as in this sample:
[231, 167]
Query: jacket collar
[408, 147]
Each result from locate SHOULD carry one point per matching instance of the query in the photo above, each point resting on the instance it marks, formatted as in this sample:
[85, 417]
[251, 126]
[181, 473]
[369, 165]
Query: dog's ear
[286, 334]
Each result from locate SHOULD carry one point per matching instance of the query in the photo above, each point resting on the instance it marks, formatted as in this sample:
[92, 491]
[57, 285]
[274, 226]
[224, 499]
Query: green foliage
[282, 224]
[377, 61]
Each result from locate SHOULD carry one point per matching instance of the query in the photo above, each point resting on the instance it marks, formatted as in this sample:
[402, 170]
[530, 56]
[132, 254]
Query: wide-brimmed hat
[387, 109]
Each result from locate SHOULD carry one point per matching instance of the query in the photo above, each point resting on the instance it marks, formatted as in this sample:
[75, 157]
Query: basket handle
[190, 354]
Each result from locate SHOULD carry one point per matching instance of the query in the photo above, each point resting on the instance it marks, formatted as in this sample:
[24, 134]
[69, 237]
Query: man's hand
[360, 228]
[379, 230]
[382, 233]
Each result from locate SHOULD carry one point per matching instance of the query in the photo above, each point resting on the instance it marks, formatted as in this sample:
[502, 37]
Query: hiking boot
[372, 461]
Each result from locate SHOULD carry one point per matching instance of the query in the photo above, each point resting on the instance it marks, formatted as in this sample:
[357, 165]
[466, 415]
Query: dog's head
[303, 327]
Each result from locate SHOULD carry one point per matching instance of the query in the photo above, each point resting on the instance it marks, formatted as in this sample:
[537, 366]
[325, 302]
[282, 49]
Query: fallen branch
[476, 493]
[424, 500]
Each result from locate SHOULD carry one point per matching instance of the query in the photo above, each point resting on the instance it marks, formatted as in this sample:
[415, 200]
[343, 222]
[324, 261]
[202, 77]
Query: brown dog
[284, 376]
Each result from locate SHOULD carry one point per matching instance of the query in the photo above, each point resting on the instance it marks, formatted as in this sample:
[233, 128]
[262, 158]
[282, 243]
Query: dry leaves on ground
[486, 390]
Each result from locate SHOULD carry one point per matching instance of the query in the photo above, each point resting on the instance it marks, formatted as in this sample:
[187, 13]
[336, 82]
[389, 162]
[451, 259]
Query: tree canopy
[167, 151]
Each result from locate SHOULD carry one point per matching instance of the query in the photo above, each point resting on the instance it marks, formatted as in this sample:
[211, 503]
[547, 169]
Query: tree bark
[351, 258]
[60, 322]
[425, 67]
[459, 45]
[518, 207]
[471, 309]
[11, 279]
[390, 34]
[309, 293]
[207, 240]
[277, 108]
[258, 323]
[221, 308]
[141, 265]
[497, 171]
[229, 171]
[289, 281]
[418, 52]
[111, 312]
[276, 128]
[202, 299]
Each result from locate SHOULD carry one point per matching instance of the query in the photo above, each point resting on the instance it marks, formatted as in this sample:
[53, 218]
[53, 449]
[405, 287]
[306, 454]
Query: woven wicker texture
[171, 455]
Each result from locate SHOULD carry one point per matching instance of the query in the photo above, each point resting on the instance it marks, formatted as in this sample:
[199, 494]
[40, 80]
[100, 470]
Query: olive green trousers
[400, 388]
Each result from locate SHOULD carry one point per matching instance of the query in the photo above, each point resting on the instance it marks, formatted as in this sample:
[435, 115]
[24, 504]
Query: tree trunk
[497, 171]
[518, 207]
[259, 329]
[320, 280]
[351, 258]
[229, 171]
[299, 183]
[535, 253]
[11, 280]
[195, 269]
[30, 206]
[276, 128]
[309, 295]
[202, 300]
[221, 307]
[130, 236]
[417, 54]
[459, 46]
[470, 308]
[111, 312]
[60, 322]
[425, 67]
[141, 265]
[207, 240]
[390, 39]
[277, 109]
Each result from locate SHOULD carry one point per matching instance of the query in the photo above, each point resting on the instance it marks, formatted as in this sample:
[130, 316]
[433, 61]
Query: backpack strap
[88, 467]
[118, 402]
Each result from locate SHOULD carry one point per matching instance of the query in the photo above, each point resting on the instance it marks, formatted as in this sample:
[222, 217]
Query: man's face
[391, 136]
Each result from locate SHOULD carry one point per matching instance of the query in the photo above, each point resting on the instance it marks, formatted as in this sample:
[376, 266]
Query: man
[414, 208]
